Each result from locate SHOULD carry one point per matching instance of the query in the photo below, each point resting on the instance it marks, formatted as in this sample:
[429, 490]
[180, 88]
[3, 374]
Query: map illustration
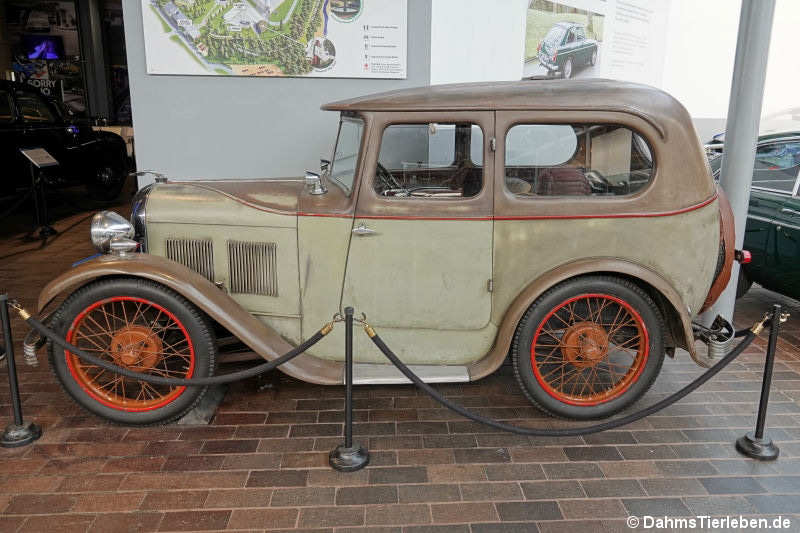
[315, 38]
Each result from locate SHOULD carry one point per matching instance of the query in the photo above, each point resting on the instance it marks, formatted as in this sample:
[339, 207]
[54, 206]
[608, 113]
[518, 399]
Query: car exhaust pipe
[718, 337]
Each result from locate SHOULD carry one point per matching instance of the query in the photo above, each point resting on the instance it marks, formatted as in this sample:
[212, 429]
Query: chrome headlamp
[139, 216]
[107, 226]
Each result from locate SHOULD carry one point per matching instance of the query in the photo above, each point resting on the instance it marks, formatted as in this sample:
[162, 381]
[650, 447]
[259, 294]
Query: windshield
[345, 156]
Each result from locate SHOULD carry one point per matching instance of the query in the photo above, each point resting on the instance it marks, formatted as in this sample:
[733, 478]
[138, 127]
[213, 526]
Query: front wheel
[139, 325]
[593, 60]
[589, 347]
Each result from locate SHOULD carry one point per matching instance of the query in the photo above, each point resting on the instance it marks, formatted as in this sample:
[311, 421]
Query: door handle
[361, 230]
[791, 212]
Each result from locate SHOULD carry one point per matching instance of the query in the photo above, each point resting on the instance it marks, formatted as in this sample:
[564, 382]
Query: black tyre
[588, 347]
[142, 326]
[743, 284]
[566, 71]
[107, 182]
[593, 58]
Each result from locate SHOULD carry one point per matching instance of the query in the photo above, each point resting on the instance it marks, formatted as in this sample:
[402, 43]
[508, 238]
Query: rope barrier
[568, 432]
[747, 336]
[160, 380]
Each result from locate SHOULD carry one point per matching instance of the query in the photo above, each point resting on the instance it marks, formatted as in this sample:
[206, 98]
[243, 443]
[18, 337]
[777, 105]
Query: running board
[378, 374]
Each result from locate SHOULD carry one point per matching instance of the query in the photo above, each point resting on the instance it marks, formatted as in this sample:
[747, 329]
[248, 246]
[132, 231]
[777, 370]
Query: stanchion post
[754, 443]
[17, 433]
[348, 457]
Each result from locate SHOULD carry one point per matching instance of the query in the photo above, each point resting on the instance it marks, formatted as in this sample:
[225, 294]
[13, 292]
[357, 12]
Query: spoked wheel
[589, 347]
[141, 326]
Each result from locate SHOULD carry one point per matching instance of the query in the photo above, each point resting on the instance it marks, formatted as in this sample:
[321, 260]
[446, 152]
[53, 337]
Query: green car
[565, 47]
[772, 233]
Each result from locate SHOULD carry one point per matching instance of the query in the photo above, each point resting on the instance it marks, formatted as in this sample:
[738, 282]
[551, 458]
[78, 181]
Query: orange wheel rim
[136, 334]
[589, 349]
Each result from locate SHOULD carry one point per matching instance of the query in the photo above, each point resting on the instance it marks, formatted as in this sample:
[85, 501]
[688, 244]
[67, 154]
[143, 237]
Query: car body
[565, 47]
[28, 119]
[454, 217]
[772, 233]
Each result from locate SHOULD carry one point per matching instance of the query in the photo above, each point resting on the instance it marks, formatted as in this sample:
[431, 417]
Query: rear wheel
[107, 181]
[567, 72]
[142, 326]
[589, 347]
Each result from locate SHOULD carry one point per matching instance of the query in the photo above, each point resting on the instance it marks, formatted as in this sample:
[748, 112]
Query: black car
[97, 159]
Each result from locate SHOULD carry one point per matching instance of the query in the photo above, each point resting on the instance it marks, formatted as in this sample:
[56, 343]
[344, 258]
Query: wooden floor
[262, 464]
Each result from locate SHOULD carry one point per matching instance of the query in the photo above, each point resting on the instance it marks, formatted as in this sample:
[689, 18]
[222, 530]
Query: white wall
[238, 127]
[476, 40]
[472, 43]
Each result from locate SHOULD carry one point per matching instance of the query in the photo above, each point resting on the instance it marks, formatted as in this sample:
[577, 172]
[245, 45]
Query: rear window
[576, 160]
[555, 35]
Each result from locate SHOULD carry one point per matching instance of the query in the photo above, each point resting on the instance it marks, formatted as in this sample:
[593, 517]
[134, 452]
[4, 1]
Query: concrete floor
[262, 463]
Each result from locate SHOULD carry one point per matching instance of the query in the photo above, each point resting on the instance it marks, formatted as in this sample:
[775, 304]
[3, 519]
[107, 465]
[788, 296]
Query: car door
[773, 223]
[581, 50]
[420, 253]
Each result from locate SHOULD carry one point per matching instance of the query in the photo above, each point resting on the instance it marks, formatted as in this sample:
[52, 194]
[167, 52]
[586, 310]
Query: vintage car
[98, 160]
[772, 233]
[565, 47]
[572, 224]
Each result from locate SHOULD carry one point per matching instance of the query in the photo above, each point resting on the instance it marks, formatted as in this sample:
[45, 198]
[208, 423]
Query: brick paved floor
[262, 463]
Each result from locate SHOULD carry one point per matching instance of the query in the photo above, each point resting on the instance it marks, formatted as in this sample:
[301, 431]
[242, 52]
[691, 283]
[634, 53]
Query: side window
[576, 160]
[777, 166]
[6, 109]
[580, 33]
[571, 36]
[33, 109]
[435, 160]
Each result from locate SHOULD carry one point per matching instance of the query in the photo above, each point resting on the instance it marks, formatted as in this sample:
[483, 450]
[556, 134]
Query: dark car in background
[96, 159]
[772, 233]
[565, 47]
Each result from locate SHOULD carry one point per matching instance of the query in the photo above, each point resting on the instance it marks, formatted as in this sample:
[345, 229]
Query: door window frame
[372, 205]
[796, 187]
[507, 205]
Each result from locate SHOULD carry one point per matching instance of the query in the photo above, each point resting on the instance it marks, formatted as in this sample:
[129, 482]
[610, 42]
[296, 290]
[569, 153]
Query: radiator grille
[196, 254]
[253, 268]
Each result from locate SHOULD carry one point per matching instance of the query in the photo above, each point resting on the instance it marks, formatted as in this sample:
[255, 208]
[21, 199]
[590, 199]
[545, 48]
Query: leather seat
[565, 181]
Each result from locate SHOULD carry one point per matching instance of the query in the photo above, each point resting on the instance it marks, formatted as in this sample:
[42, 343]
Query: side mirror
[314, 183]
[324, 165]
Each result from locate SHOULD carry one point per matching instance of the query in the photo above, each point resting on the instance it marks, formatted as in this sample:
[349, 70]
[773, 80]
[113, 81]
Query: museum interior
[399, 266]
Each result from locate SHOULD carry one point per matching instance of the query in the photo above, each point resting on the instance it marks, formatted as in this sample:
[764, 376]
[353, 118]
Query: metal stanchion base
[15, 436]
[762, 449]
[348, 459]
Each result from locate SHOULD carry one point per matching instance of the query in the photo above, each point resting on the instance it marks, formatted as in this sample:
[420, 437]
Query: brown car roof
[653, 105]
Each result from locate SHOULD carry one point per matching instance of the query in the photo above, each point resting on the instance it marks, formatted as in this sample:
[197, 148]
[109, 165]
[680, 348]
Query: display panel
[303, 38]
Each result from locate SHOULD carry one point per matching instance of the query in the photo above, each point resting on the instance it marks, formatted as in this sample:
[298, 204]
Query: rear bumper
[547, 62]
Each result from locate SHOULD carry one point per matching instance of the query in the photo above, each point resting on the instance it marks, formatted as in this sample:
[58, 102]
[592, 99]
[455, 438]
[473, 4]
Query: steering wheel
[387, 178]
[598, 180]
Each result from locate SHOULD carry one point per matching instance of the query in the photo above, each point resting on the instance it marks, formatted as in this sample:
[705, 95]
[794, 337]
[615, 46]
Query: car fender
[209, 298]
[676, 314]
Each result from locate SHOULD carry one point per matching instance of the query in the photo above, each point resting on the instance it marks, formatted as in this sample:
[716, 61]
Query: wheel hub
[584, 344]
[136, 347]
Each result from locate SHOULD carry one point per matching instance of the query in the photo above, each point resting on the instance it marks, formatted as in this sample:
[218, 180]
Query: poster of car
[562, 40]
[302, 38]
[620, 39]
